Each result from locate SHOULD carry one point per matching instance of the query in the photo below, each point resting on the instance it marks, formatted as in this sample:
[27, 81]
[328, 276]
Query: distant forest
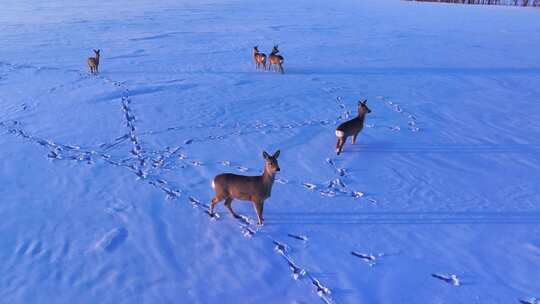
[530, 3]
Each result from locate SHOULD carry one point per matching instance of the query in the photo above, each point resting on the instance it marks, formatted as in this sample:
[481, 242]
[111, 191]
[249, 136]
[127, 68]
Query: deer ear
[265, 155]
[365, 101]
[276, 155]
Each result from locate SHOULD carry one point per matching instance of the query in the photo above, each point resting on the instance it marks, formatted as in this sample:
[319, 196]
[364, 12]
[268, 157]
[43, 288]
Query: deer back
[352, 126]
[242, 187]
[274, 58]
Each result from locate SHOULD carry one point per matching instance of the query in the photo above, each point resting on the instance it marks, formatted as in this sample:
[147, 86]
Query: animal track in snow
[298, 237]
[249, 229]
[369, 258]
[411, 119]
[529, 301]
[450, 279]
[147, 166]
[337, 186]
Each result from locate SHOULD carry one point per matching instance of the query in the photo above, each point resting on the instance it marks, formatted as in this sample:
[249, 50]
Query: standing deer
[256, 189]
[351, 127]
[259, 58]
[93, 62]
[275, 59]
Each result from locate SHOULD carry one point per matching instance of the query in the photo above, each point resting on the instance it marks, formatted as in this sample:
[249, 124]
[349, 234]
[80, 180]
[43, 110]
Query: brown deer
[351, 127]
[275, 59]
[93, 62]
[259, 58]
[256, 189]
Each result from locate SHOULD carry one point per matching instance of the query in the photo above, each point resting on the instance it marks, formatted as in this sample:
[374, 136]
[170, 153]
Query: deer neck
[268, 179]
[97, 58]
[361, 116]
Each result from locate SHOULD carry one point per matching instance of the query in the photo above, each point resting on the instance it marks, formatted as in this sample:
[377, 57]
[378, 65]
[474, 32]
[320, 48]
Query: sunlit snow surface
[105, 179]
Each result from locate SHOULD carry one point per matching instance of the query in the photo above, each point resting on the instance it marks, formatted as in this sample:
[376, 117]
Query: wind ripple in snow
[112, 240]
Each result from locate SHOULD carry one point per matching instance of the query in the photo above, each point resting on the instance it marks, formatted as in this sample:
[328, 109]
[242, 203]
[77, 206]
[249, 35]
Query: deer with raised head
[256, 189]
[351, 127]
[276, 60]
[93, 62]
[259, 58]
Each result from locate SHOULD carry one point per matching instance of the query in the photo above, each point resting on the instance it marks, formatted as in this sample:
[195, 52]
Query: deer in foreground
[275, 59]
[256, 189]
[351, 127]
[93, 62]
[259, 58]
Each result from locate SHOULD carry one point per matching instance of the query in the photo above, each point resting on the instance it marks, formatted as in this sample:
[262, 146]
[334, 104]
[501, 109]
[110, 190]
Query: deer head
[363, 108]
[271, 164]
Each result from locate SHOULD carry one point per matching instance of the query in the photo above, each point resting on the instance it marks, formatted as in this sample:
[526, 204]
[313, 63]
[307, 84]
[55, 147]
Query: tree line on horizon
[530, 3]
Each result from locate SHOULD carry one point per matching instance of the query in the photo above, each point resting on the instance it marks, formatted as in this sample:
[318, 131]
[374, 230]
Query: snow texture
[106, 178]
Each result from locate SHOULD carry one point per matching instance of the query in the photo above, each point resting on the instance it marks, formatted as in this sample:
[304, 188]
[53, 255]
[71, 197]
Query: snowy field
[105, 179]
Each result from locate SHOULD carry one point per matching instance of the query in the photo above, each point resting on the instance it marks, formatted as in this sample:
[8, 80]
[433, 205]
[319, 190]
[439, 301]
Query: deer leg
[281, 69]
[341, 142]
[259, 205]
[228, 204]
[354, 138]
[213, 204]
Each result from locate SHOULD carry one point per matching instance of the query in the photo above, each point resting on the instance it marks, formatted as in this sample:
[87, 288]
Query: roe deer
[259, 58]
[93, 62]
[275, 59]
[256, 189]
[351, 127]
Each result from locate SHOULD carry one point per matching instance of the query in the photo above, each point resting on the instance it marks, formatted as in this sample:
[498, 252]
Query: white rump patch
[213, 185]
[340, 134]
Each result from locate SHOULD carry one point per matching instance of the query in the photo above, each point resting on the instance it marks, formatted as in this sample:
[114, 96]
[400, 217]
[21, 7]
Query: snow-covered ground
[104, 179]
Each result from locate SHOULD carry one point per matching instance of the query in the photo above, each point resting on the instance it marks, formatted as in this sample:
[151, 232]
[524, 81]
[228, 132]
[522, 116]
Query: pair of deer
[273, 59]
[257, 189]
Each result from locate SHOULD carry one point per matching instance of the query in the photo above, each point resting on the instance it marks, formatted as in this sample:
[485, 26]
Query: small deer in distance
[276, 60]
[256, 189]
[351, 127]
[93, 62]
[259, 58]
